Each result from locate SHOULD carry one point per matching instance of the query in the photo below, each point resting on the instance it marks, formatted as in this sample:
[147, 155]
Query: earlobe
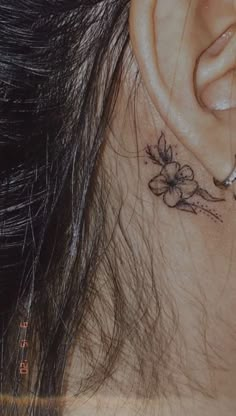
[158, 36]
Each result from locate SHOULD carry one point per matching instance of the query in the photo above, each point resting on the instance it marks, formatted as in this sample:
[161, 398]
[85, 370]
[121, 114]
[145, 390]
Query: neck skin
[194, 264]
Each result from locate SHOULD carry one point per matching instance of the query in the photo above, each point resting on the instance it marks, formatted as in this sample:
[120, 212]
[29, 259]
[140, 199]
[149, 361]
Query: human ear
[186, 53]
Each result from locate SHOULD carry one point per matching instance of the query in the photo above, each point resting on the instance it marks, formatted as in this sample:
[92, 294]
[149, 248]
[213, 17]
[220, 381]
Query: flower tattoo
[177, 184]
[174, 183]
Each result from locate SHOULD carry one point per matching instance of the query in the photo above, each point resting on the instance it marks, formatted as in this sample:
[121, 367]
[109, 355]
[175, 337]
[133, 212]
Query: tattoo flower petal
[188, 188]
[170, 171]
[185, 173]
[172, 197]
[158, 185]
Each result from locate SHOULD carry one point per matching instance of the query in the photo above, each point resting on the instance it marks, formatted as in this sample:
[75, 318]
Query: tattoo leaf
[185, 206]
[153, 153]
[207, 196]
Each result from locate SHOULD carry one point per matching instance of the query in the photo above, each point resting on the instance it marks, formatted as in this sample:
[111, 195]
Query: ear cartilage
[228, 181]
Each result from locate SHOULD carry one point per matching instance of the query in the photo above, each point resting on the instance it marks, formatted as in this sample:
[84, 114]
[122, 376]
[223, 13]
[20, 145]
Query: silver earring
[228, 181]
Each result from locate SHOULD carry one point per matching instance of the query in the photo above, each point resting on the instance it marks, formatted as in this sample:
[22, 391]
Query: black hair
[61, 63]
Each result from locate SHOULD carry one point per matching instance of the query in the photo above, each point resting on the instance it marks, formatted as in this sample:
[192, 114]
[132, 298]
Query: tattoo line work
[177, 185]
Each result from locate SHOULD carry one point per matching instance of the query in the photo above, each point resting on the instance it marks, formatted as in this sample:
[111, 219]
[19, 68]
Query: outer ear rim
[149, 65]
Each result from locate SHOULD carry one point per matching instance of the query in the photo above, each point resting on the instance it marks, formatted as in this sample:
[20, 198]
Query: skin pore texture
[165, 177]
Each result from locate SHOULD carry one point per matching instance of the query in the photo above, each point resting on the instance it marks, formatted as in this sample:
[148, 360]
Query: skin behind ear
[183, 49]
